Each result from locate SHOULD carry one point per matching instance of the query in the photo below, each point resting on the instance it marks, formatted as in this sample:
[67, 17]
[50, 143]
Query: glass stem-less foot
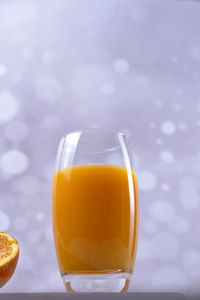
[106, 283]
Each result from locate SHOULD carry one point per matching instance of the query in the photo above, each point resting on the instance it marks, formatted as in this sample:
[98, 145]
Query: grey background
[130, 65]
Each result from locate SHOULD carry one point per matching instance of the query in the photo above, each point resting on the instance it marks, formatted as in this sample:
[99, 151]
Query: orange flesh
[5, 247]
[95, 219]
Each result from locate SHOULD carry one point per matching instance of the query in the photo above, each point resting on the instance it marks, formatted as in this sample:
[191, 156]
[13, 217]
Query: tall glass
[95, 211]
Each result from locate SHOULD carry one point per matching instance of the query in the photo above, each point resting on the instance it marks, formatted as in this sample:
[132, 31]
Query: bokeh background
[128, 65]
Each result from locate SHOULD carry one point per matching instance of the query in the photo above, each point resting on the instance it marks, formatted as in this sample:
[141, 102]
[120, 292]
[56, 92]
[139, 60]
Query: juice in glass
[95, 218]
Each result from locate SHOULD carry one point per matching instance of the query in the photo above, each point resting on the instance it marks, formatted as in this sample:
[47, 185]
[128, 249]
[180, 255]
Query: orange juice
[95, 218]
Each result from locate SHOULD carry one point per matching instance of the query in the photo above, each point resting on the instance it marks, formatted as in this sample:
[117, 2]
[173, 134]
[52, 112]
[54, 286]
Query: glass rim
[90, 130]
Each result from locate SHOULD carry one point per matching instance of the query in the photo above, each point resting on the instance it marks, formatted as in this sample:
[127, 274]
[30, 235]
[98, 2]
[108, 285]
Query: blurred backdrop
[129, 65]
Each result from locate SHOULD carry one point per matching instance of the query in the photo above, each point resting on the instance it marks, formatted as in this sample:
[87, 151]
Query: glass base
[94, 283]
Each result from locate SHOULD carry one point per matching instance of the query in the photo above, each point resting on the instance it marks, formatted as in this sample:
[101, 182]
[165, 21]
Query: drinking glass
[95, 211]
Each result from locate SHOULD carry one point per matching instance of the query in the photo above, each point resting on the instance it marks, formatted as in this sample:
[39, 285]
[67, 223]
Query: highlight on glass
[95, 211]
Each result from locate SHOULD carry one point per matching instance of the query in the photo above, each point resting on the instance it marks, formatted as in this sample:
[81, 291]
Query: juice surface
[95, 218]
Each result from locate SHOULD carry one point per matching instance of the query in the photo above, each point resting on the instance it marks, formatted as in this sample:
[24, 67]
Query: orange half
[9, 253]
